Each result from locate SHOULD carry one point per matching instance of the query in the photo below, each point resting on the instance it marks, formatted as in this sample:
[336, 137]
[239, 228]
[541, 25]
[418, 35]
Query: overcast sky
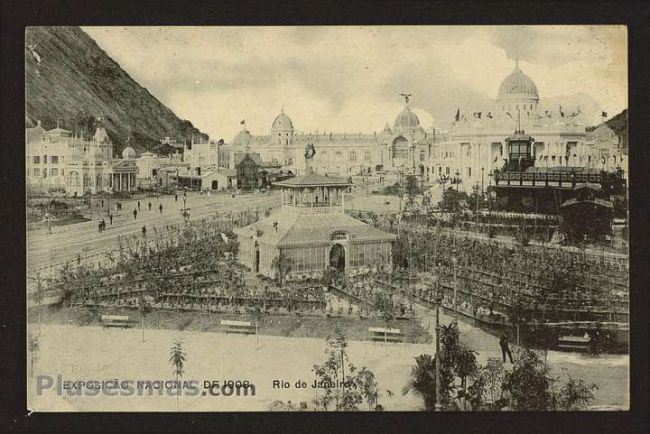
[347, 78]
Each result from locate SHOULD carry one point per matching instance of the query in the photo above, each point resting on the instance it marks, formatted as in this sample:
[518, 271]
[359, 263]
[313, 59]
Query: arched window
[339, 156]
[353, 156]
[323, 155]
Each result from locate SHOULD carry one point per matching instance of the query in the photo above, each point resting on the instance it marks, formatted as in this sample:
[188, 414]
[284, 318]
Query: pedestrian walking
[149, 206]
[160, 208]
[138, 205]
[110, 219]
[176, 197]
[144, 230]
[505, 348]
[135, 214]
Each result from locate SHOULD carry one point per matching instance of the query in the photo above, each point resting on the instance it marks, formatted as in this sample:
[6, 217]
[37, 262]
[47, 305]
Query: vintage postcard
[323, 218]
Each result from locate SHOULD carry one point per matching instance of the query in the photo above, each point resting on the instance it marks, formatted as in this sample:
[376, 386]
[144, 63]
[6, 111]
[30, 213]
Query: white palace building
[475, 144]
[406, 148]
[58, 160]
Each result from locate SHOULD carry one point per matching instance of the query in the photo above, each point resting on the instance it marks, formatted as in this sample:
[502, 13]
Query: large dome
[282, 122]
[128, 153]
[406, 119]
[518, 85]
[243, 138]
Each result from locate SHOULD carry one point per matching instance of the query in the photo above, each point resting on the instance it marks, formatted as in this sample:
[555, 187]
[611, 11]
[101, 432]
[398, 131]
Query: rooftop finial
[406, 97]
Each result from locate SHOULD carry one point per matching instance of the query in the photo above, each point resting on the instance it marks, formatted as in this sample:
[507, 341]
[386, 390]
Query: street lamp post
[482, 181]
[457, 179]
[454, 262]
[438, 301]
[476, 212]
[490, 175]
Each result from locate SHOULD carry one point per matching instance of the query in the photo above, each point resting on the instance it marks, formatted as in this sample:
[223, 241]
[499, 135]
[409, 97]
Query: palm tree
[423, 380]
[466, 365]
[177, 359]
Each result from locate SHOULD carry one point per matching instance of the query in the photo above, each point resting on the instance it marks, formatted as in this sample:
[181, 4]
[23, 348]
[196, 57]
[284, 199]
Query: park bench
[242, 327]
[115, 321]
[573, 343]
[385, 334]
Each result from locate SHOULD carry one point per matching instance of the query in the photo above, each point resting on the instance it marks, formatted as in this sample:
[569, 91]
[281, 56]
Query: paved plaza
[84, 239]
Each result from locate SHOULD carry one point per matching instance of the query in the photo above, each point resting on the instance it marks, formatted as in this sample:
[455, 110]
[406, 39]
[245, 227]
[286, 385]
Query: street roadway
[66, 242]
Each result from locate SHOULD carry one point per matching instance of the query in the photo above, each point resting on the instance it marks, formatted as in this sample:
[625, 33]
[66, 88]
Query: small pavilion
[312, 233]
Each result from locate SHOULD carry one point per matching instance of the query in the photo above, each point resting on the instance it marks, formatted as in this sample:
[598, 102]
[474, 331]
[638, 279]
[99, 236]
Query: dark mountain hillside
[69, 78]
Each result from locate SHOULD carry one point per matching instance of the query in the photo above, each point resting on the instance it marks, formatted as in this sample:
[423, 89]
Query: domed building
[282, 130]
[242, 139]
[129, 153]
[61, 160]
[406, 122]
[518, 92]
[476, 144]
[605, 146]
[403, 148]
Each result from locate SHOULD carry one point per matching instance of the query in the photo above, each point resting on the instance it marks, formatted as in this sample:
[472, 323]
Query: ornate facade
[60, 161]
[405, 148]
[475, 145]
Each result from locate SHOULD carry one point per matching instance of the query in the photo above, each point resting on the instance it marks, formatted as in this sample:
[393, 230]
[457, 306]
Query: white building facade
[57, 160]
[475, 145]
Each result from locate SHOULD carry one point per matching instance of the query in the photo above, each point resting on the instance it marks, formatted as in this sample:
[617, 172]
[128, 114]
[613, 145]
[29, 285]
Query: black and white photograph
[371, 218]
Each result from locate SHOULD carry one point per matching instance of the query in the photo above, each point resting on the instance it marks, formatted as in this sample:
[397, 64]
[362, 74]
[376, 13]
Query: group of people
[135, 210]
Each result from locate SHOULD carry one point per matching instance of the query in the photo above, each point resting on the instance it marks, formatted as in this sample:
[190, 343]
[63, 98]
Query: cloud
[347, 78]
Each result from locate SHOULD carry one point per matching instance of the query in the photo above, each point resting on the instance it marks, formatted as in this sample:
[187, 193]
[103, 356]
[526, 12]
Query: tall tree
[342, 383]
